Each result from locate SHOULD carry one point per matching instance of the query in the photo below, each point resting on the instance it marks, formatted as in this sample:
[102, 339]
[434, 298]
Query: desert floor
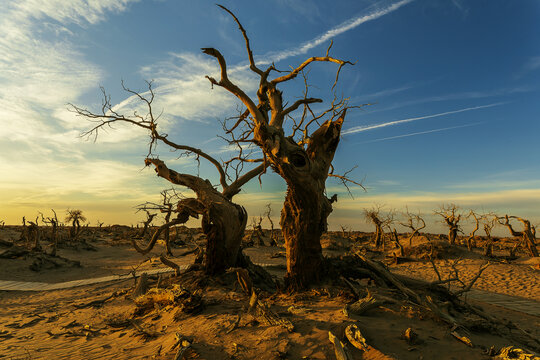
[107, 321]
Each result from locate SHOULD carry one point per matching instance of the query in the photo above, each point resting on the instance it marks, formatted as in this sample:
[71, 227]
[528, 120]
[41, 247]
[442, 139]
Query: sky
[454, 87]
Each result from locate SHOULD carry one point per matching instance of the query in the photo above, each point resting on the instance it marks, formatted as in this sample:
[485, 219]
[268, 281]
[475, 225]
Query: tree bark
[306, 207]
[223, 222]
[303, 220]
[452, 235]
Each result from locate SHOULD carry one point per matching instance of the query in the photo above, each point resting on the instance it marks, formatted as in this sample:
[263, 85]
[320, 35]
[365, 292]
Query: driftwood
[183, 346]
[338, 347]
[262, 312]
[463, 339]
[510, 352]
[363, 305]
[355, 337]
[141, 287]
[410, 336]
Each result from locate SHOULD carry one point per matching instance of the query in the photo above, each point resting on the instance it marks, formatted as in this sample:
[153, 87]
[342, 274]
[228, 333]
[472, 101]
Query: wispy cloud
[36, 85]
[465, 95]
[41, 69]
[532, 64]
[362, 128]
[340, 29]
[387, 92]
[419, 133]
[185, 93]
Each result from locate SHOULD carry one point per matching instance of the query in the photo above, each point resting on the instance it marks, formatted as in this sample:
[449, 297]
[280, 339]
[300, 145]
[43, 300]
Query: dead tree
[415, 223]
[268, 213]
[381, 221]
[470, 239]
[75, 216]
[528, 235]
[451, 216]
[34, 233]
[53, 221]
[395, 238]
[223, 222]
[256, 231]
[24, 231]
[167, 207]
[488, 222]
[301, 157]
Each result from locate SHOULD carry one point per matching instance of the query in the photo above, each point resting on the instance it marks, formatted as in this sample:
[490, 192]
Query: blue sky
[455, 86]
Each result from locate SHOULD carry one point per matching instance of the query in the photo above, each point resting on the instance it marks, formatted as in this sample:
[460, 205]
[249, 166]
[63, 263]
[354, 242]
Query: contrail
[340, 29]
[397, 122]
[419, 133]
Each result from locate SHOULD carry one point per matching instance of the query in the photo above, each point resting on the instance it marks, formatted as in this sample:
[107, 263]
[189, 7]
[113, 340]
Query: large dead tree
[528, 235]
[223, 222]
[302, 157]
[450, 214]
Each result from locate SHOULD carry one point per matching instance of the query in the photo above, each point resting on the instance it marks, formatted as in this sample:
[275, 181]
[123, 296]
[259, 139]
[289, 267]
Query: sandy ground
[65, 324]
[519, 277]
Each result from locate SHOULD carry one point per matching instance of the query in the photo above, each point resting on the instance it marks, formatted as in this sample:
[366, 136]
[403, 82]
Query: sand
[65, 324]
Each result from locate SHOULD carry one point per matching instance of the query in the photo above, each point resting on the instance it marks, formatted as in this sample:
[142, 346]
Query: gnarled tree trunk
[223, 222]
[452, 233]
[528, 234]
[306, 207]
[303, 220]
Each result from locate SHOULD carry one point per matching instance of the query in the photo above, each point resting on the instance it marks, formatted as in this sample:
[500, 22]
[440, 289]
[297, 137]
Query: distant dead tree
[528, 235]
[450, 214]
[415, 223]
[268, 213]
[168, 206]
[302, 157]
[53, 221]
[381, 221]
[75, 217]
[470, 239]
[345, 232]
[256, 231]
[24, 231]
[34, 233]
[488, 222]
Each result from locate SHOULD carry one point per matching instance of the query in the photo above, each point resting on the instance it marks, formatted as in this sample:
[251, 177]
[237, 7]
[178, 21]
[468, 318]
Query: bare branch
[252, 65]
[295, 71]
